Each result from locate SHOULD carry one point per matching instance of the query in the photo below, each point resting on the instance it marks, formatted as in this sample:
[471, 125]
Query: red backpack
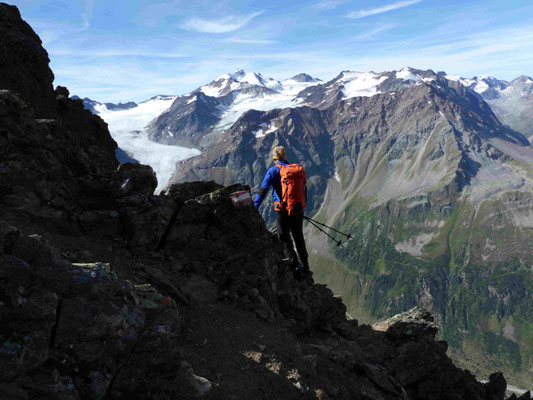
[293, 188]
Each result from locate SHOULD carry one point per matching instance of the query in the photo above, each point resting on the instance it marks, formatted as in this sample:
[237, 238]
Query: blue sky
[120, 50]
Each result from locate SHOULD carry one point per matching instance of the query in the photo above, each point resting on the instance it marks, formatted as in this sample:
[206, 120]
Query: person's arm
[263, 189]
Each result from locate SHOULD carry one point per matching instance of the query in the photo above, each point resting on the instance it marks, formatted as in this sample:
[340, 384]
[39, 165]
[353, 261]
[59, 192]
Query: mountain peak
[239, 72]
[303, 77]
[522, 79]
[242, 76]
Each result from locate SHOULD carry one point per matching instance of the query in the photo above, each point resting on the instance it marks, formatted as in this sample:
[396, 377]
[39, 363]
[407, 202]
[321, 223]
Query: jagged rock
[380, 376]
[45, 260]
[201, 290]
[28, 314]
[40, 183]
[24, 64]
[98, 325]
[62, 92]
[416, 322]
[496, 386]
[525, 396]
[191, 190]
[195, 386]
[135, 179]
[8, 237]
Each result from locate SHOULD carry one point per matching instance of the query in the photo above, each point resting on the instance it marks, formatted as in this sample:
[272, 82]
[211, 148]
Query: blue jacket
[272, 178]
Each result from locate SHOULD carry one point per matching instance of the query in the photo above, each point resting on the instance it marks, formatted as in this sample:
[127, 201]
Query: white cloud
[504, 53]
[86, 15]
[227, 24]
[61, 51]
[248, 41]
[375, 31]
[328, 4]
[493, 52]
[380, 10]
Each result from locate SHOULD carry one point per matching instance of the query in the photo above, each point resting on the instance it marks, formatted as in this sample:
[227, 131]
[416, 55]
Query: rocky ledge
[192, 297]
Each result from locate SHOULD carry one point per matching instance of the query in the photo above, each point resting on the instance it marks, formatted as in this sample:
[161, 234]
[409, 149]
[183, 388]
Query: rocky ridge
[108, 291]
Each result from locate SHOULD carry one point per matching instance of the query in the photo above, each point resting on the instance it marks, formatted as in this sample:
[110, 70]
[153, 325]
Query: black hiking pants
[292, 224]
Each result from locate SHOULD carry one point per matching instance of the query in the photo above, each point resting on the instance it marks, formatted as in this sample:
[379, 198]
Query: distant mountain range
[195, 119]
[511, 101]
[94, 106]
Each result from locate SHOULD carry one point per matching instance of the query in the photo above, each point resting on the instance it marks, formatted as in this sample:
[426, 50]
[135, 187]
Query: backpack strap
[278, 205]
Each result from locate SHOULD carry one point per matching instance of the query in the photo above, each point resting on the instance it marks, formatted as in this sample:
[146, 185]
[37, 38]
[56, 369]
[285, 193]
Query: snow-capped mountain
[350, 84]
[239, 80]
[197, 118]
[487, 86]
[512, 102]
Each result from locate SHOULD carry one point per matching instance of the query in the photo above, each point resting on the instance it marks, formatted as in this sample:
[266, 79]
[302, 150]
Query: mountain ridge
[231, 97]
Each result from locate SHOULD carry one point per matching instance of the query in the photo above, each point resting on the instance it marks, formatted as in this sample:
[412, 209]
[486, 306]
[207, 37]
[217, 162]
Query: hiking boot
[305, 269]
[298, 273]
[307, 274]
[303, 273]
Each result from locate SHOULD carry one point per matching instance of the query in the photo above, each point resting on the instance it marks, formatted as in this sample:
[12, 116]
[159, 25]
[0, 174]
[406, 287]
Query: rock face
[24, 63]
[110, 292]
[435, 190]
[212, 310]
[188, 120]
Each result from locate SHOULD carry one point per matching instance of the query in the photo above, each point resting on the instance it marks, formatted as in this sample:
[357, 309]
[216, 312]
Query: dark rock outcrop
[24, 63]
[96, 335]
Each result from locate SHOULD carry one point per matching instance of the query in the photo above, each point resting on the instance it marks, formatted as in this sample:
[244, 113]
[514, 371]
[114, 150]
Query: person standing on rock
[289, 193]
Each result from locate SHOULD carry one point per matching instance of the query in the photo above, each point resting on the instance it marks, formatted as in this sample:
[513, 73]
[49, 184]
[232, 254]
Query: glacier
[127, 127]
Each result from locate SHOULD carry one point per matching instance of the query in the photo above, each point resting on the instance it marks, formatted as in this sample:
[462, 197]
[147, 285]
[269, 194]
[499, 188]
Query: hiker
[289, 194]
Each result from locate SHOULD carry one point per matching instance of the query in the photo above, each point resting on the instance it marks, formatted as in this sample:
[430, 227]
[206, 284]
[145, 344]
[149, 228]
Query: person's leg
[284, 236]
[296, 223]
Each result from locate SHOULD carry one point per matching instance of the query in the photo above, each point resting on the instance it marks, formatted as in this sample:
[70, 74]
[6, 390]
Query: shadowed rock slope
[110, 292]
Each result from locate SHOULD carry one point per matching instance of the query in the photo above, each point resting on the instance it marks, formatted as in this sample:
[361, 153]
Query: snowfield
[283, 95]
[360, 83]
[127, 127]
[244, 102]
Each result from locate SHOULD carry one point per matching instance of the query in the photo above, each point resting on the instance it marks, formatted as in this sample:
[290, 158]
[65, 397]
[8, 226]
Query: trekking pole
[348, 236]
[339, 242]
